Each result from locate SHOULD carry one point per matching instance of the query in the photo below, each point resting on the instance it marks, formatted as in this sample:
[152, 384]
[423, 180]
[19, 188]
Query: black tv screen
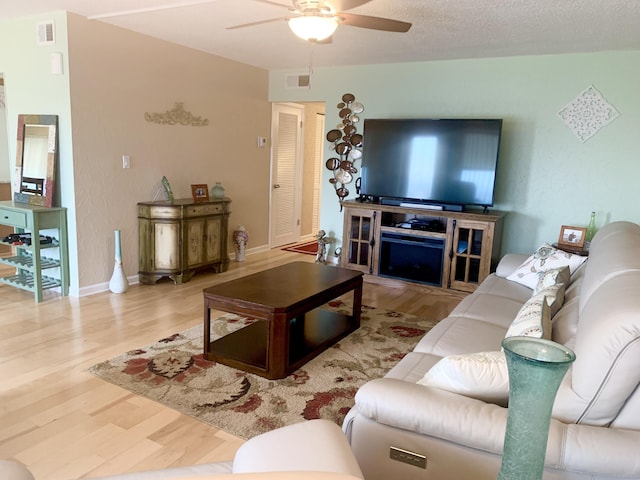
[434, 161]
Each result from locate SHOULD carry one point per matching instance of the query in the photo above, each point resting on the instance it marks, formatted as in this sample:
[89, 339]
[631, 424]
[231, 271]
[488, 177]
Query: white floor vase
[118, 282]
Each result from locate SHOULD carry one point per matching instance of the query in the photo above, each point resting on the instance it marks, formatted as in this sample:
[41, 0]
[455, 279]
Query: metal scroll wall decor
[347, 145]
[176, 116]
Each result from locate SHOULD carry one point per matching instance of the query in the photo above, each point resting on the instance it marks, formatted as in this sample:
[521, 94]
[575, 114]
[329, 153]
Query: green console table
[37, 266]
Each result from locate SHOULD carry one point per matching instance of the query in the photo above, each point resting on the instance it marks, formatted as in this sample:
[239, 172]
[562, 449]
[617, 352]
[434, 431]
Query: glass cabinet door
[467, 266]
[360, 250]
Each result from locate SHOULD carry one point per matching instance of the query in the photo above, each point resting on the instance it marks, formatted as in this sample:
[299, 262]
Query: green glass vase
[536, 368]
[217, 191]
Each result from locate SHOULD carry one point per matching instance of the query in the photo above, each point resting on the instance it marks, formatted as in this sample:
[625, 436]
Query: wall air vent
[298, 81]
[46, 33]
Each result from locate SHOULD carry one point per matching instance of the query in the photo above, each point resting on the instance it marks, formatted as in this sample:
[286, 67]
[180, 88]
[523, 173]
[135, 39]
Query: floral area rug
[174, 373]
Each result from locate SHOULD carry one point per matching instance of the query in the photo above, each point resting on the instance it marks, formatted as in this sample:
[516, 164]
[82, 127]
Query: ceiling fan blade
[279, 19]
[342, 5]
[374, 23]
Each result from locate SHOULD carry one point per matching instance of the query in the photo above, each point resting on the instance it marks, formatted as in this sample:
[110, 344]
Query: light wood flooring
[63, 423]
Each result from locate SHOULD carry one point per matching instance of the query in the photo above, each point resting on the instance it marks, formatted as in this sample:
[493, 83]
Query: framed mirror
[36, 158]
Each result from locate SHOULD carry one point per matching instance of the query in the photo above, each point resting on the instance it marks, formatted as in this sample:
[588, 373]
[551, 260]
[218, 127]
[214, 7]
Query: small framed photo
[572, 236]
[200, 192]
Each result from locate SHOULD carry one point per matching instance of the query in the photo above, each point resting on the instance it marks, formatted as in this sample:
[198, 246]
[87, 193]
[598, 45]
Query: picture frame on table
[573, 237]
[200, 192]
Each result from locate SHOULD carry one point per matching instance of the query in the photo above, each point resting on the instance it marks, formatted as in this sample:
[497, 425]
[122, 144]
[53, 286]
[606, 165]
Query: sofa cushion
[501, 287]
[455, 335]
[544, 258]
[495, 309]
[481, 375]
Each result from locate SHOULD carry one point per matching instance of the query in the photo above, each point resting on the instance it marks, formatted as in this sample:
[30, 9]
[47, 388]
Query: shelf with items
[430, 225]
[29, 258]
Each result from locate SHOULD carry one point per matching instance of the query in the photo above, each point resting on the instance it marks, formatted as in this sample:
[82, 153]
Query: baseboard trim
[134, 280]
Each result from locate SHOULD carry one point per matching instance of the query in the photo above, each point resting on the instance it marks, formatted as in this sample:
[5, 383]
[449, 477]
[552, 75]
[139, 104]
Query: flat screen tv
[448, 163]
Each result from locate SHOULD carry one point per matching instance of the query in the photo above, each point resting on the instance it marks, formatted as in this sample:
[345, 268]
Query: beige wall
[116, 76]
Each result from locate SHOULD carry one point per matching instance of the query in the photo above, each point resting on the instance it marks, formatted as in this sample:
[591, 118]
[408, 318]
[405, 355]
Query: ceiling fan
[317, 20]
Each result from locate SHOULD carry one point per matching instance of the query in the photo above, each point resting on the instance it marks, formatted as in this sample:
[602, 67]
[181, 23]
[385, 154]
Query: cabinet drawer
[201, 210]
[145, 211]
[14, 219]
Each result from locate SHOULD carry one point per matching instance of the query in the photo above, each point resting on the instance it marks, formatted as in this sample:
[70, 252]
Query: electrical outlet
[126, 161]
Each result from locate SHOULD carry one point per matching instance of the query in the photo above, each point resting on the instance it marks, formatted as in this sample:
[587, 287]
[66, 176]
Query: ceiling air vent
[298, 81]
[46, 33]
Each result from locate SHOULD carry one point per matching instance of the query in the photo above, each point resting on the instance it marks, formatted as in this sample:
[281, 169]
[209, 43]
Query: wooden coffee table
[291, 329]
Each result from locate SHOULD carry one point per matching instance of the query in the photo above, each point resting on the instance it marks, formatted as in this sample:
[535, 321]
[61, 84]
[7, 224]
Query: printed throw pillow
[554, 276]
[533, 319]
[552, 284]
[482, 375]
[544, 258]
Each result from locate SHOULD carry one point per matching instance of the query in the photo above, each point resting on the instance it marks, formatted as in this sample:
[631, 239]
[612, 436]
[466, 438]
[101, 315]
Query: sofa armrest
[598, 450]
[509, 264]
[475, 424]
[434, 412]
[14, 471]
[314, 445]
[300, 475]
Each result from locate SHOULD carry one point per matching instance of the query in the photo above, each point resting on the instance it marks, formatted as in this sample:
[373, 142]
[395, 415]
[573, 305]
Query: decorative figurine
[240, 240]
[323, 241]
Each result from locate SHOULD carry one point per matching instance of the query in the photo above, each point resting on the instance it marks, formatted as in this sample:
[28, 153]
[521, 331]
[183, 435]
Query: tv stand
[442, 248]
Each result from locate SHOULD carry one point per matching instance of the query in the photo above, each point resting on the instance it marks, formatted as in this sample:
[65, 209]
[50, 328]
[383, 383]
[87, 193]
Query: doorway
[296, 171]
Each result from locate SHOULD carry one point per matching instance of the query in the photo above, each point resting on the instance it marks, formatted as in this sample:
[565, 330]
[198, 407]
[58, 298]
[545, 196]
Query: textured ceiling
[442, 29]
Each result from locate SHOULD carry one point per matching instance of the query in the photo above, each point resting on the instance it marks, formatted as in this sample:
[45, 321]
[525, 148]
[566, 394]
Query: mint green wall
[31, 88]
[547, 177]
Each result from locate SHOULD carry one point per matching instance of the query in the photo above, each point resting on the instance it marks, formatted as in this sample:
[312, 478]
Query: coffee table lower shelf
[309, 336]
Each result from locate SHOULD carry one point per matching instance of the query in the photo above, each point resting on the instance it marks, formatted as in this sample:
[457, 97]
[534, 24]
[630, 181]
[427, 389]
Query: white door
[317, 171]
[286, 173]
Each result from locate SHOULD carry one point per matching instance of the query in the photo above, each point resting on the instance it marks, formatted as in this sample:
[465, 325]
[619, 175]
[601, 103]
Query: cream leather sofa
[313, 450]
[595, 429]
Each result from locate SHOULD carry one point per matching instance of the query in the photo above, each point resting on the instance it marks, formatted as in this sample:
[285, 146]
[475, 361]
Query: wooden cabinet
[41, 259]
[440, 248]
[177, 239]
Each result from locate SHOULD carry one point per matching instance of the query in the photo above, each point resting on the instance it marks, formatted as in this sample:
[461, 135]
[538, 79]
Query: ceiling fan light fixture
[313, 27]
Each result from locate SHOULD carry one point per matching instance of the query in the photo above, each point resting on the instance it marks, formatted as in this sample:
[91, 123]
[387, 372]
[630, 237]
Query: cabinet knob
[276, 185]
